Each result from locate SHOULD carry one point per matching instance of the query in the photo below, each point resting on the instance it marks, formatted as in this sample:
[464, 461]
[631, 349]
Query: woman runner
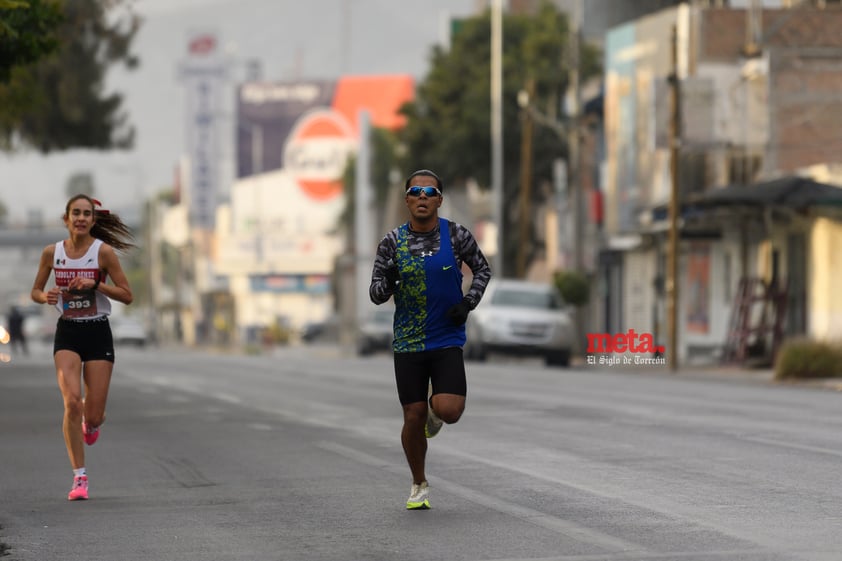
[83, 349]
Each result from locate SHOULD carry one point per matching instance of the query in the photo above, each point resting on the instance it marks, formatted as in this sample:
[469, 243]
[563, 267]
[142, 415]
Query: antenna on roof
[754, 25]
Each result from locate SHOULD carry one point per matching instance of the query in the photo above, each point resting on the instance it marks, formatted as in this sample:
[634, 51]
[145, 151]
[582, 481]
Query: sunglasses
[415, 191]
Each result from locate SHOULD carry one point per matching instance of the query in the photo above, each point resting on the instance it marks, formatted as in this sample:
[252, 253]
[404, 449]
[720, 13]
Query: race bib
[78, 304]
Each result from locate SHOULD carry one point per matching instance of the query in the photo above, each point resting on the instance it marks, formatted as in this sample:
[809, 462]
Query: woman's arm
[45, 267]
[110, 263]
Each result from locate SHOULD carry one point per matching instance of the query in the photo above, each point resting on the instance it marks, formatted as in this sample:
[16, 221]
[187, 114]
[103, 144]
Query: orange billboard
[309, 128]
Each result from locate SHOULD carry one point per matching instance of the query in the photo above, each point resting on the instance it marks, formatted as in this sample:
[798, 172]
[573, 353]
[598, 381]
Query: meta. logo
[631, 341]
[317, 152]
[638, 345]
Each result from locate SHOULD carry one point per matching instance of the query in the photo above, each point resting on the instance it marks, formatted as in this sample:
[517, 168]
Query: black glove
[458, 313]
[392, 274]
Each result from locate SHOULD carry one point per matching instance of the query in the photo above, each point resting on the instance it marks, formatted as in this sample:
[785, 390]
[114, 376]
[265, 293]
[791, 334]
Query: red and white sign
[317, 152]
[202, 45]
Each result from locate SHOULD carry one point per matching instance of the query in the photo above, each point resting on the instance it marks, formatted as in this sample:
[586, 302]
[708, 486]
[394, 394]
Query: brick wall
[804, 46]
[723, 33]
[805, 108]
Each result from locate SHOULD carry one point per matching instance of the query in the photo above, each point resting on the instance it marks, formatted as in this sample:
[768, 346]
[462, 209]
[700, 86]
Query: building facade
[759, 100]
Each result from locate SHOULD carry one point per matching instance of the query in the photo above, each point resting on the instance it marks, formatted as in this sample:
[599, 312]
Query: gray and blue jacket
[431, 282]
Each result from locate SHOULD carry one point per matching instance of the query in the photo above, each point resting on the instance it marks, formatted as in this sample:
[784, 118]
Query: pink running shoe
[79, 492]
[90, 434]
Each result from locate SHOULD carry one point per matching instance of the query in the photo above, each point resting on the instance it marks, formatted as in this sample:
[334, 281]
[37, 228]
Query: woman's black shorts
[445, 368]
[90, 339]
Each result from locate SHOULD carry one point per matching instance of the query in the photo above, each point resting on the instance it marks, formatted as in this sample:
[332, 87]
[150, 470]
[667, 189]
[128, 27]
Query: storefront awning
[791, 192]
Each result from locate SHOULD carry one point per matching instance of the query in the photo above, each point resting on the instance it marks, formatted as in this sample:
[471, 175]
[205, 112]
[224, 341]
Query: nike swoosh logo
[446, 268]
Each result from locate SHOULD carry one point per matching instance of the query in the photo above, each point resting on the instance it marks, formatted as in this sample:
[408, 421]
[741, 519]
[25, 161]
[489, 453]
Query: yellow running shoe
[433, 424]
[418, 497]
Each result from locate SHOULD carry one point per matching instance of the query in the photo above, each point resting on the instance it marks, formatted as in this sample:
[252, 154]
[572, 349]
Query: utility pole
[574, 188]
[574, 184]
[674, 207]
[525, 221]
[345, 34]
[497, 129]
[364, 244]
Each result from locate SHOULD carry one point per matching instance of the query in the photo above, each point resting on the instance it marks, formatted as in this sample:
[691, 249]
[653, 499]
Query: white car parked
[521, 318]
[128, 331]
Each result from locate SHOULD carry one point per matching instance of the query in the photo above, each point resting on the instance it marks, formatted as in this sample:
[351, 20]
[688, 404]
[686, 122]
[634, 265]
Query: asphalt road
[296, 456]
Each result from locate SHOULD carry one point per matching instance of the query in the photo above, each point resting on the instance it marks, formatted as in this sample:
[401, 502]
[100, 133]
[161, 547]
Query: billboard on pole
[269, 112]
[266, 114]
[203, 73]
[294, 140]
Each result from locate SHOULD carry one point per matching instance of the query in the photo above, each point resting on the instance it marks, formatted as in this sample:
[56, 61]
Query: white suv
[520, 318]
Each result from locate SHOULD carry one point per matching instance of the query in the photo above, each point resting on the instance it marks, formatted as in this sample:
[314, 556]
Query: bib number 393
[78, 304]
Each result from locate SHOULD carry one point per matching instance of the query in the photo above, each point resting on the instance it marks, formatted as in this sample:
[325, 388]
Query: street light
[497, 127]
[564, 184]
[525, 221]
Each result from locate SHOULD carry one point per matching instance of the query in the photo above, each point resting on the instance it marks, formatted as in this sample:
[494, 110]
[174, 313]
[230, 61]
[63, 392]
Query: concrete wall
[824, 297]
[638, 290]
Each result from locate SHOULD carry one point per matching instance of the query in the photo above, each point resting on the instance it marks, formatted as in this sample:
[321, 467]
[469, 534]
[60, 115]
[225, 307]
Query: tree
[27, 32]
[449, 122]
[59, 102]
[574, 287]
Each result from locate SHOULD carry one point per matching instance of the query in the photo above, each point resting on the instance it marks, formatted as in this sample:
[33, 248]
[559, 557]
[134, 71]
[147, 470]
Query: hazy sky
[291, 38]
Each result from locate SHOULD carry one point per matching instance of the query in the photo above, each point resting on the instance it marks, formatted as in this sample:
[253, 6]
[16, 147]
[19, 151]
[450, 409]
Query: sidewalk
[757, 375]
[719, 371]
